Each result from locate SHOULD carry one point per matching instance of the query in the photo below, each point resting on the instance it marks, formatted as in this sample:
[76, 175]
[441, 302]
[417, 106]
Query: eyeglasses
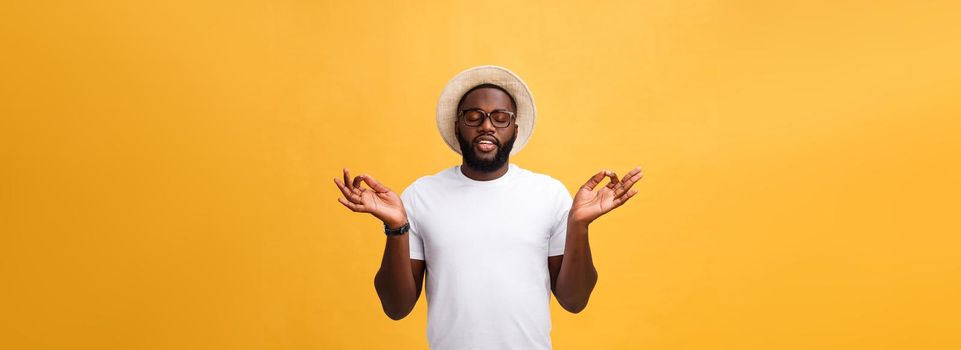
[475, 117]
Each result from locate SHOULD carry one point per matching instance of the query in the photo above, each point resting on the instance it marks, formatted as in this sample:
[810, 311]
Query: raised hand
[379, 200]
[589, 205]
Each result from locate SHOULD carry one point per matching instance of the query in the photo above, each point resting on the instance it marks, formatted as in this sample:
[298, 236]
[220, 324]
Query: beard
[485, 165]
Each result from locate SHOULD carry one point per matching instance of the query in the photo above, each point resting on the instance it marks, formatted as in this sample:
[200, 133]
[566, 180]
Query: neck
[477, 175]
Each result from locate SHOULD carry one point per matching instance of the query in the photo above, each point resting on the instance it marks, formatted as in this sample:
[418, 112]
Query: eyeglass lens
[475, 117]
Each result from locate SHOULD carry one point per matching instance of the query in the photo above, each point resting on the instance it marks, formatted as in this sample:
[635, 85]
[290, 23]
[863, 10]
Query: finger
[352, 206]
[623, 199]
[594, 180]
[347, 179]
[614, 180]
[629, 180]
[376, 186]
[343, 189]
[357, 181]
[353, 197]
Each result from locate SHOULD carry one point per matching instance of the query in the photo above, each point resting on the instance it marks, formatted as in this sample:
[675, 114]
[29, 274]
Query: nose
[487, 125]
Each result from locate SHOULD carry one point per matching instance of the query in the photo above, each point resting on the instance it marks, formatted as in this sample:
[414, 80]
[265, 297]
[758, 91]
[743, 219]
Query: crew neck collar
[511, 170]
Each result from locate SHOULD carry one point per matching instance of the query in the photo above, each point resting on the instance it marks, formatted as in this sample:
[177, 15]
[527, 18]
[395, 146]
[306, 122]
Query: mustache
[491, 138]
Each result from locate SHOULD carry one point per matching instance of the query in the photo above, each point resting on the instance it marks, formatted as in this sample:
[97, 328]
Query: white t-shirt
[485, 244]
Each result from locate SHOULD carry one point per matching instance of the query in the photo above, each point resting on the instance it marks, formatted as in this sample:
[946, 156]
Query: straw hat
[500, 76]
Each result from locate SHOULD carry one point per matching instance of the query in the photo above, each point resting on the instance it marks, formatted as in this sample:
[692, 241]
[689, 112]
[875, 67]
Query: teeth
[485, 141]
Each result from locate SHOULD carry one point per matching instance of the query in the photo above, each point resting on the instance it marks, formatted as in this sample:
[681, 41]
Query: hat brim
[500, 76]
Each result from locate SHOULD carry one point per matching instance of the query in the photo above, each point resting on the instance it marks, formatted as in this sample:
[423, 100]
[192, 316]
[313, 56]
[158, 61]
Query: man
[494, 239]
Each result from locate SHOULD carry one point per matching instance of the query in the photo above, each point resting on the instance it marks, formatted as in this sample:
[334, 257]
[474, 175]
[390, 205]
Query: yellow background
[166, 167]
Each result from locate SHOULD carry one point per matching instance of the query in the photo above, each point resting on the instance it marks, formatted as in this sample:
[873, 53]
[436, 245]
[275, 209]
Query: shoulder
[543, 181]
[427, 181]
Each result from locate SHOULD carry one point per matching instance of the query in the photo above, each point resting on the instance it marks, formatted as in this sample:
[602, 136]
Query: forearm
[395, 281]
[577, 275]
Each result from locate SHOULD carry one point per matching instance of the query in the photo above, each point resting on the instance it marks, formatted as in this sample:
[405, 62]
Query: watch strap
[397, 231]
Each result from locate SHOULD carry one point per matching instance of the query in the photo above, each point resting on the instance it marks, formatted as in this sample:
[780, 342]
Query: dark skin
[489, 100]
[399, 280]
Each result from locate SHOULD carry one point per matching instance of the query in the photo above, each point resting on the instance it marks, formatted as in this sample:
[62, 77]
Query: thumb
[376, 186]
[594, 180]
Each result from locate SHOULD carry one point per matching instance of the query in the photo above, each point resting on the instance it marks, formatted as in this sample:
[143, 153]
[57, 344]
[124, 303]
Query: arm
[573, 275]
[399, 280]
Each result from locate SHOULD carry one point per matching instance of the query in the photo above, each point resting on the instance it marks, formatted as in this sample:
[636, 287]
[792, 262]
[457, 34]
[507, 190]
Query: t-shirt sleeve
[415, 241]
[562, 205]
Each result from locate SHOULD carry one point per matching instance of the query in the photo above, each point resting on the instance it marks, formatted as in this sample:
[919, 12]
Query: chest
[470, 223]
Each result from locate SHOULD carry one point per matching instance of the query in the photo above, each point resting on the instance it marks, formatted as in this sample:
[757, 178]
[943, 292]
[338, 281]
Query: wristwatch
[397, 231]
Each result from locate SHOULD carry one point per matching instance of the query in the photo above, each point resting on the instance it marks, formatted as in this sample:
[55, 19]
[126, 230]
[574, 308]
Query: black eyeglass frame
[487, 115]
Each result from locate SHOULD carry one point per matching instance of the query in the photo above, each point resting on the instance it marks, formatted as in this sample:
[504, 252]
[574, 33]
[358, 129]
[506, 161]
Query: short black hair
[486, 85]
